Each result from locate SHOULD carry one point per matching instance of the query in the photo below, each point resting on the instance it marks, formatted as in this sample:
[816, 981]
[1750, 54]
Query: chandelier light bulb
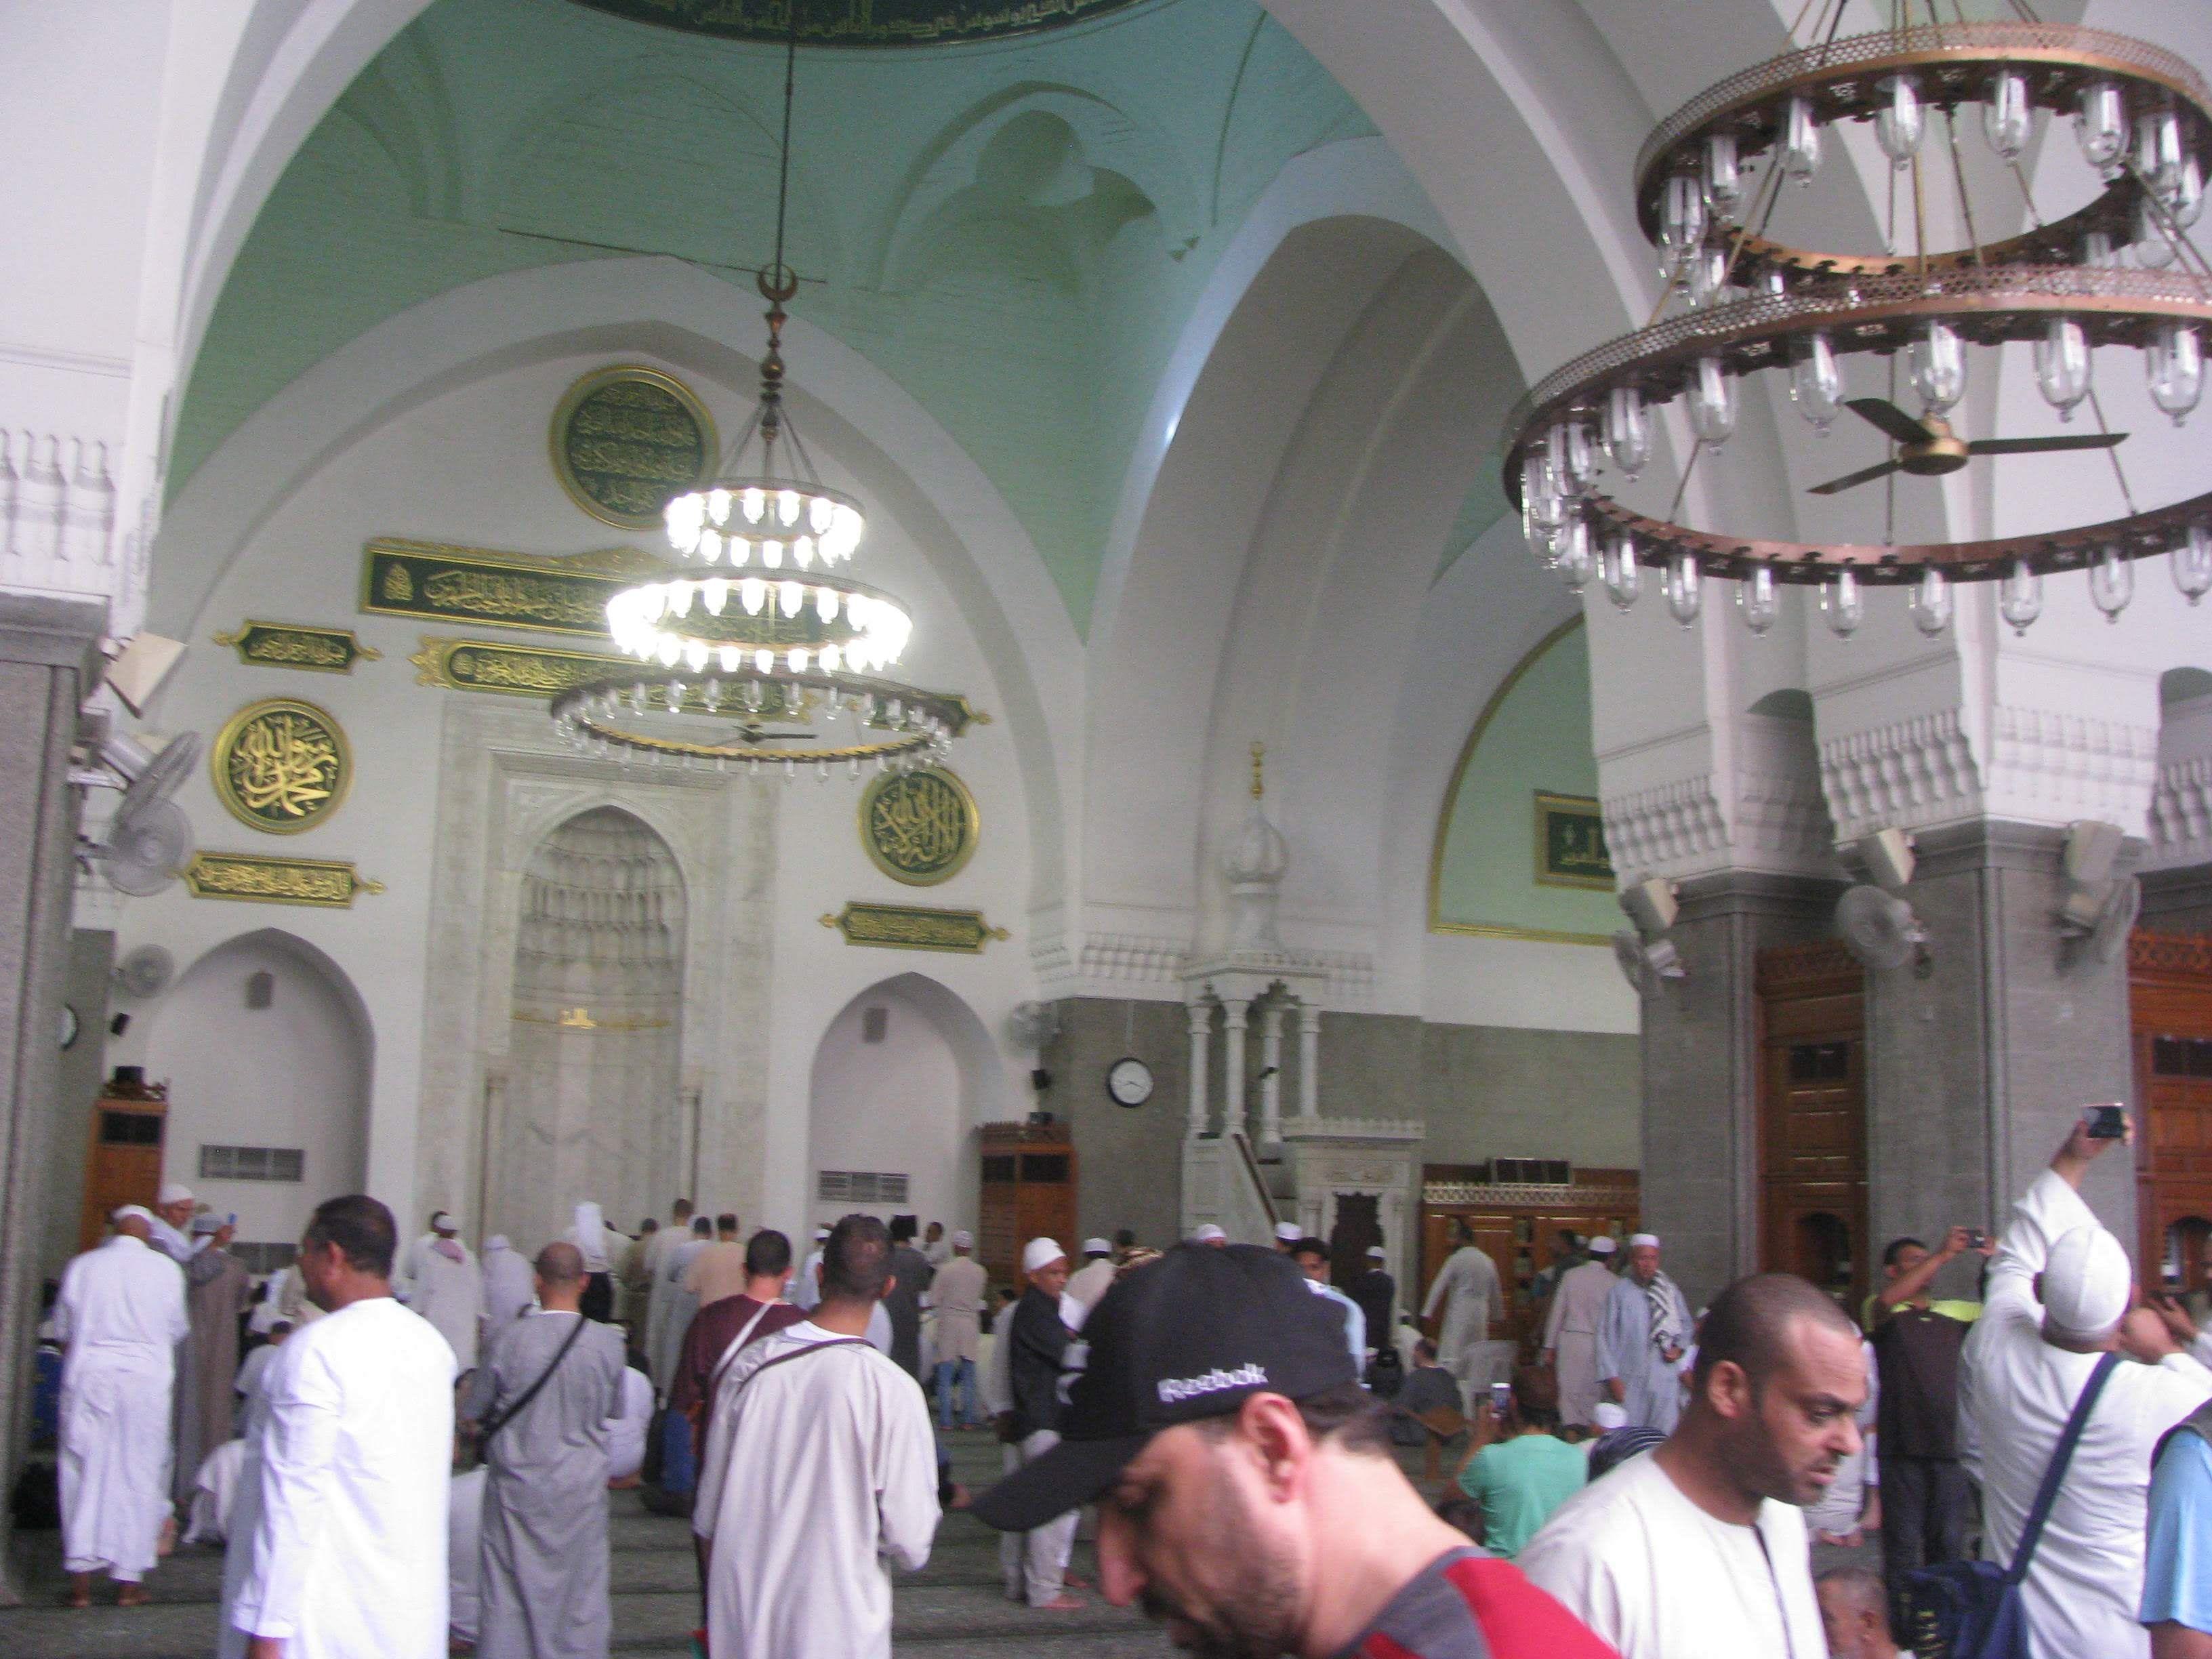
[1627, 430]
[2100, 124]
[1686, 593]
[2154, 248]
[2158, 151]
[2112, 583]
[1900, 119]
[2019, 596]
[1816, 381]
[1759, 600]
[2186, 200]
[2098, 252]
[2063, 365]
[1930, 603]
[1623, 577]
[1800, 145]
[2190, 561]
[1842, 603]
[1724, 181]
[1937, 363]
[1681, 218]
[752, 593]
[1576, 560]
[2174, 363]
[1712, 402]
[1708, 275]
[2006, 116]
[772, 554]
[1574, 458]
[753, 503]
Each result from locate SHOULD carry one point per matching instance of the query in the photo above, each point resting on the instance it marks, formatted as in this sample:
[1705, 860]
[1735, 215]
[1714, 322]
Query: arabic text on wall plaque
[281, 766]
[921, 827]
[1570, 842]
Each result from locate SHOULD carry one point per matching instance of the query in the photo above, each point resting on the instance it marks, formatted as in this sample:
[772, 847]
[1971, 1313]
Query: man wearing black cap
[1246, 1495]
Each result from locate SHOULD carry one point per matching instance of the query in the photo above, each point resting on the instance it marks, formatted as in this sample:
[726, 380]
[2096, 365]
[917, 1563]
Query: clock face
[1129, 1082]
[69, 1026]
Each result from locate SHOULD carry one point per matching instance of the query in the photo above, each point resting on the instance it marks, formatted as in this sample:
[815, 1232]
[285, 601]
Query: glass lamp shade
[1898, 119]
[2063, 365]
[2173, 364]
[1623, 577]
[2186, 199]
[2007, 116]
[1712, 403]
[1543, 521]
[1816, 381]
[1707, 276]
[1723, 182]
[1930, 603]
[1574, 458]
[2154, 249]
[1577, 558]
[2019, 596]
[2190, 561]
[1759, 600]
[1843, 606]
[769, 518]
[1685, 591]
[1937, 361]
[1627, 430]
[1681, 218]
[2112, 583]
[2158, 150]
[1800, 142]
[2100, 124]
[2098, 252]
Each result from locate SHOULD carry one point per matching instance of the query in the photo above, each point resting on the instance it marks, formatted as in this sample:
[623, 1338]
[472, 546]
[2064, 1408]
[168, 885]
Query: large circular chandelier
[2122, 271]
[756, 651]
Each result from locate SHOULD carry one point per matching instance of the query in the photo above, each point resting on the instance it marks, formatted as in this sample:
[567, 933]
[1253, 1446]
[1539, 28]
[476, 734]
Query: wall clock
[1129, 1081]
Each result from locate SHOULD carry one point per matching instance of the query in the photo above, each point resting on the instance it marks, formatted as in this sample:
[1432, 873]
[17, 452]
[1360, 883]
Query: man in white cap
[958, 1291]
[807, 1288]
[1578, 1308]
[171, 1221]
[1092, 1279]
[119, 1318]
[1035, 1563]
[510, 1287]
[1641, 1339]
[1376, 1293]
[2059, 1291]
[1287, 1235]
[1463, 1298]
[1208, 1233]
[440, 1279]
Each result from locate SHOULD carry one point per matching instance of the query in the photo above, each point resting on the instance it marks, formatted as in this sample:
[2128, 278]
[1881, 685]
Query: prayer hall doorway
[1812, 1118]
[2170, 1018]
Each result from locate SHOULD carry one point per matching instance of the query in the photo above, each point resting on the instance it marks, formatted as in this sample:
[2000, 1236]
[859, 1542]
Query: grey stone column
[1700, 1185]
[1975, 1069]
[49, 661]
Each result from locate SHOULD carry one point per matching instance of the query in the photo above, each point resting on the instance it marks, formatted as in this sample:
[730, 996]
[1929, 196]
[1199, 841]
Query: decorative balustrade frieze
[1669, 828]
[59, 523]
[2053, 766]
[2181, 815]
[1782, 821]
[1910, 772]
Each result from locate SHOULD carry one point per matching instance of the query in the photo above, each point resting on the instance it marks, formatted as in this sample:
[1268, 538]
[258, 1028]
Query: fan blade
[1880, 412]
[1852, 480]
[2041, 445]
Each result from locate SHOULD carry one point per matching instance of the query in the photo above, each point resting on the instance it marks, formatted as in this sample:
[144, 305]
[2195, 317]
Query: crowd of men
[422, 1446]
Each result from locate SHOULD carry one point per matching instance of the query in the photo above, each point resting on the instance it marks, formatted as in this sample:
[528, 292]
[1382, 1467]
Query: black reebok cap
[1177, 1341]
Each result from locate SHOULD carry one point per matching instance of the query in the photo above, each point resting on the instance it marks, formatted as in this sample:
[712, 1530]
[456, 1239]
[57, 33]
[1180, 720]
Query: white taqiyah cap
[124, 1213]
[820, 1234]
[1208, 1233]
[963, 1240]
[1378, 1252]
[2086, 1281]
[1602, 1245]
[497, 1242]
[1040, 1252]
[175, 1192]
[1097, 1247]
[1289, 1231]
[443, 1218]
[1606, 1415]
[1643, 1241]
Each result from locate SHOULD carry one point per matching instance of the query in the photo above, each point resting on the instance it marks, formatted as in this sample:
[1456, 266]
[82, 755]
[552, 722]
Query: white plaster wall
[292, 1075]
[893, 1105]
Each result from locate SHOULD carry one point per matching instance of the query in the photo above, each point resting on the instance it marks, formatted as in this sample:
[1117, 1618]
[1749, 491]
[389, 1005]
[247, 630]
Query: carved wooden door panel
[2170, 1003]
[126, 1163]
[1813, 1162]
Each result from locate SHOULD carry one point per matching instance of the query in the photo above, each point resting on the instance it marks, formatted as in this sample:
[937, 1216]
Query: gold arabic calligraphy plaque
[1571, 849]
[626, 440]
[919, 826]
[281, 766]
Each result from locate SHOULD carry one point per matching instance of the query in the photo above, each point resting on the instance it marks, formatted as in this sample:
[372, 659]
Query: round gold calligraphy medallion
[626, 439]
[921, 828]
[281, 766]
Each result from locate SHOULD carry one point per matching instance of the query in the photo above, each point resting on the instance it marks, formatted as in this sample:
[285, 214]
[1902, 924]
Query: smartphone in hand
[1501, 1396]
[2106, 1122]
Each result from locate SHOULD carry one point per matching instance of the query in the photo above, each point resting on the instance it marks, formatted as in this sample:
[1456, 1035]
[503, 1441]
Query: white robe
[339, 1542]
[121, 1313]
[672, 1312]
[510, 1288]
[1660, 1579]
[463, 1552]
[2016, 1391]
[626, 1433]
[818, 1471]
[1570, 1328]
[807, 1288]
[214, 1494]
[1651, 1386]
[449, 1294]
[1466, 1288]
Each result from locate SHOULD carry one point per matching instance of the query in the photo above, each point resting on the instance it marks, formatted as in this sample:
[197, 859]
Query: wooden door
[1812, 1110]
[2170, 1007]
[1358, 1224]
[1028, 1191]
[1515, 1225]
[125, 1163]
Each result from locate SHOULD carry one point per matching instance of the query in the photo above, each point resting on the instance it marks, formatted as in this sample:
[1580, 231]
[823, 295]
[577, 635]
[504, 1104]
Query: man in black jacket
[1035, 1563]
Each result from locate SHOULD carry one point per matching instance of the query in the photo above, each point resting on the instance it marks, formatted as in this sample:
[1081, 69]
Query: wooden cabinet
[1029, 1192]
[1514, 1224]
[1812, 1117]
[123, 1164]
[2169, 1002]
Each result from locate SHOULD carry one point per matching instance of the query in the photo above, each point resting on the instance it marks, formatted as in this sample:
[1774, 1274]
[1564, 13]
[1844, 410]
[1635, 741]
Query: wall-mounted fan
[145, 972]
[1880, 929]
[1646, 966]
[1033, 1024]
[149, 840]
[1928, 449]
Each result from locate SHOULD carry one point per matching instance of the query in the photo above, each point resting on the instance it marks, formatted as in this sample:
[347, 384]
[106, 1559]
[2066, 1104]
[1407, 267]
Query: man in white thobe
[439, 1278]
[1641, 1339]
[2024, 1366]
[673, 1306]
[1466, 1291]
[338, 1547]
[1090, 1283]
[1578, 1308]
[119, 1318]
[509, 1290]
[819, 1471]
[806, 1285]
[672, 1232]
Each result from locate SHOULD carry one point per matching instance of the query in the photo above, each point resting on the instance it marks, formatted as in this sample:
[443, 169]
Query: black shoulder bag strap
[2047, 1494]
[491, 1428]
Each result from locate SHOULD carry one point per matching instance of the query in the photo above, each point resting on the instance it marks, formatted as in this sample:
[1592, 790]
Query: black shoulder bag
[493, 1426]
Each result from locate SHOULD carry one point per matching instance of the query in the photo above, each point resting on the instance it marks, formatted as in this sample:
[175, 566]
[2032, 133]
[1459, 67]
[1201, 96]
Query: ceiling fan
[1930, 448]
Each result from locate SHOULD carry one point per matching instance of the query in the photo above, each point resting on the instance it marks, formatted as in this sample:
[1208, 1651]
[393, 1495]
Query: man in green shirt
[1519, 1479]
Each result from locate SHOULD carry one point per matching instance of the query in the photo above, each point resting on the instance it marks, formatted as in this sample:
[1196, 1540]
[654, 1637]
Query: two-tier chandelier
[2122, 271]
[757, 651]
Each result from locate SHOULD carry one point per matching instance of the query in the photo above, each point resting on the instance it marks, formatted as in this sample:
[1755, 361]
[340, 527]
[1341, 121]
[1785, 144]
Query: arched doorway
[592, 1107]
[267, 1050]
[900, 1077]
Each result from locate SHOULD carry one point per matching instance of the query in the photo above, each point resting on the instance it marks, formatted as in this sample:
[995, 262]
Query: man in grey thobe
[543, 1558]
[1642, 1339]
[911, 1275]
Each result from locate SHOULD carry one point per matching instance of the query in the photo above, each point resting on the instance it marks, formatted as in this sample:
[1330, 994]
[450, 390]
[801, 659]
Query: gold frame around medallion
[972, 814]
[572, 399]
[219, 755]
[1548, 801]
